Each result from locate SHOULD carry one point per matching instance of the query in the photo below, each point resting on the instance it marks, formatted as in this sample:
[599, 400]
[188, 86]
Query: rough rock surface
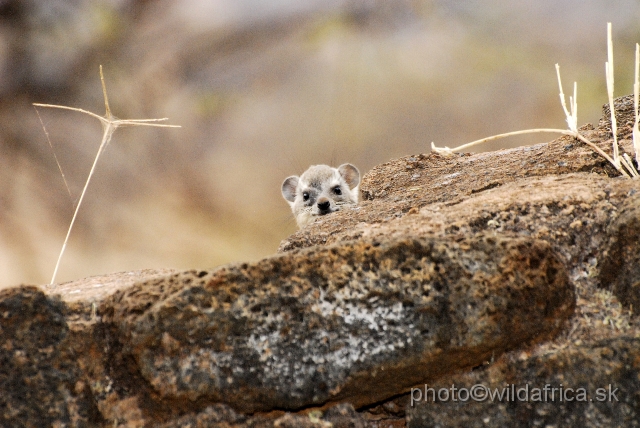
[41, 383]
[346, 322]
[516, 267]
[620, 268]
[588, 385]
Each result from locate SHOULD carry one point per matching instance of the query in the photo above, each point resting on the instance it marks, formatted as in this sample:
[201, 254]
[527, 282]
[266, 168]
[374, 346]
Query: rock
[41, 383]
[343, 416]
[339, 416]
[217, 415]
[571, 211]
[516, 267]
[347, 322]
[620, 266]
[625, 113]
[389, 192]
[590, 385]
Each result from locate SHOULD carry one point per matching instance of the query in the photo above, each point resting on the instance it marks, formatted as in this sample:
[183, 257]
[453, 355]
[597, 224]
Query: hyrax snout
[321, 190]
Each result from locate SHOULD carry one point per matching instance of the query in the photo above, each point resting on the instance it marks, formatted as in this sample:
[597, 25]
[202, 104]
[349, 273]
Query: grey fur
[326, 190]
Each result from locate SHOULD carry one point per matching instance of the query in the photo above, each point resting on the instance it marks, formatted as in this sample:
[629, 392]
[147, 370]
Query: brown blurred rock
[620, 267]
[41, 383]
[590, 385]
[625, 113]
[218, 415]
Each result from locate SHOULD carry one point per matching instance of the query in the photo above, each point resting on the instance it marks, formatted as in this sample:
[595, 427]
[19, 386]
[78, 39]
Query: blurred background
[262, 90]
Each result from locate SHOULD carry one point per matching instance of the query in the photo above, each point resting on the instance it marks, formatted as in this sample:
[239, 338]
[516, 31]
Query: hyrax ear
[289, 187]
[350, 174]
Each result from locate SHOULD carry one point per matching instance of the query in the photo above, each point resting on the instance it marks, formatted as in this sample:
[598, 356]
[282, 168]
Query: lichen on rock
[343, 322]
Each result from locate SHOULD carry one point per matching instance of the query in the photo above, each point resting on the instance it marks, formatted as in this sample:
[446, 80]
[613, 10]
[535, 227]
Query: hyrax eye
[337, 190]
[305, 196]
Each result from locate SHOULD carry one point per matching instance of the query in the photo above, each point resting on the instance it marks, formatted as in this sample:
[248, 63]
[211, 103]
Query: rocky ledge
[493, 289]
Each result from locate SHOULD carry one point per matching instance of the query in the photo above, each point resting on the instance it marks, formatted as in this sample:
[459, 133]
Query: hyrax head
[321, 190]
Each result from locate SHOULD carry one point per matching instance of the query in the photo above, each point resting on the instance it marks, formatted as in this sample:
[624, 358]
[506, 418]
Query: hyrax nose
[323, 204]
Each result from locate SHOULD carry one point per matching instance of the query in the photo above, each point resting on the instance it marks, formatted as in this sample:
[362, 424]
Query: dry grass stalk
[608, 68]
[572, 117]
[625, 160]
[636, 96]
[571, 114]
[109, 124]
[66, 185]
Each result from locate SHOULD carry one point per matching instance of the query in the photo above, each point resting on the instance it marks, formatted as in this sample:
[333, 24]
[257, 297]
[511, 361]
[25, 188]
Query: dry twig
[109, 124]
[571, 114]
